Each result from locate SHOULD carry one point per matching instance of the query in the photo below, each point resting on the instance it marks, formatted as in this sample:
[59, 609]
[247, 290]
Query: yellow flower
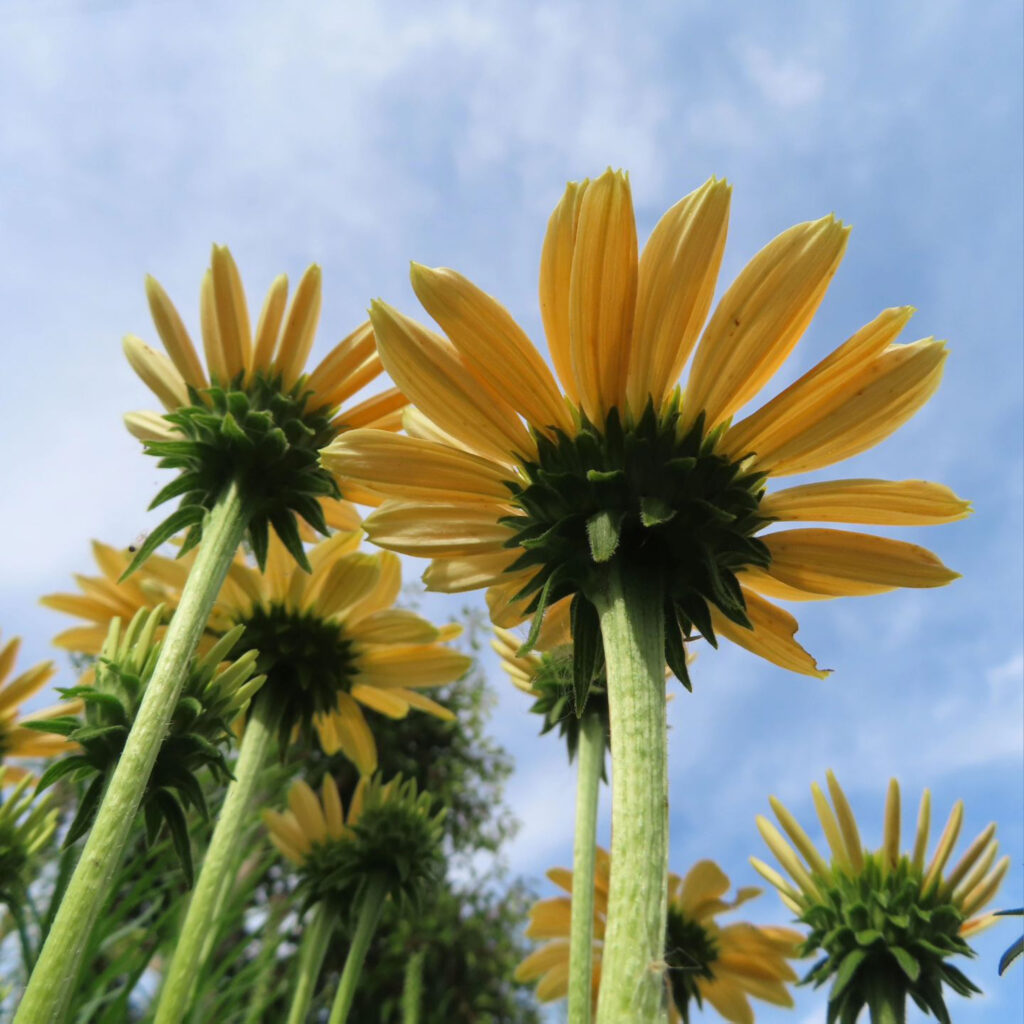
[331, 642]
[511, 482]
[309, 820]
[885, 920]
[724, 964]
[253, 414]
[15, 739]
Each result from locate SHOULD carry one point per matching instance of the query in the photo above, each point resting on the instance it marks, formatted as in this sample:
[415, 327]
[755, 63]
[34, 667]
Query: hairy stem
[311, 957]
[370, 909]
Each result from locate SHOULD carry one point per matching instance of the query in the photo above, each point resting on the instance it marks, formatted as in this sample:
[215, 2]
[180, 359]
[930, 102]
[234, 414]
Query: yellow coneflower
[15, 739]
[254, 414]
[724, 964]
[884, 921]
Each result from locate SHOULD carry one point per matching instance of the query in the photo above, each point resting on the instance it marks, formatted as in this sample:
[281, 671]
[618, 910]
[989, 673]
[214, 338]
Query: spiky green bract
[689, 952]
[556, 703]
[24, 831]
[200, 728]
[263, 437]
[307, 661]
[884, 939]
[395, 840]
[1017, 948]
[659, 502]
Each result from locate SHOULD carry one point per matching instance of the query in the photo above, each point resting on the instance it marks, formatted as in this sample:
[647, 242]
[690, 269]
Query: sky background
[362, 136]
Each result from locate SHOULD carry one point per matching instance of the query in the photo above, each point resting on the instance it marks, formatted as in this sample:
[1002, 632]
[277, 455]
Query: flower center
[661, 502]
[266, 440]
[306, 659]
[690, 950]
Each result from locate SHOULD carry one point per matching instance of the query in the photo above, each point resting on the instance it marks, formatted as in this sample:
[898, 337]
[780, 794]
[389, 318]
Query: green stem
[261, 992]
[412, 988]
[220, 855]
[632, 966]
[50, 988]
[589, 760]
[887, 1002]
[311, 957]
[369, 914]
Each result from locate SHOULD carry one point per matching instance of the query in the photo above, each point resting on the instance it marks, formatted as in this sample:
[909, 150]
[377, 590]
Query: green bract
[689, 952]
[211, 699]
[23, 831]
[663, 504]
[884, 937]
[260, 435]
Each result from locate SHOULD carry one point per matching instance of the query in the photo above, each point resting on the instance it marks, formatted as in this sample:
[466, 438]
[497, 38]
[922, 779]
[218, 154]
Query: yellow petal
[407, 467]
[761, 317]
[678, 270]
[428, 369]
[924, 816]
[767, 586]
[431, 531]
[847, 823]
[149, 426]
[728, 999]
[330, 380]
[174, 336]
[307, 810]
[876, 502]
[891, 834]
[380, 700]
[976, 874]
[422, 703]
[972, 855]
[772, 635]
[334, 815]
[232, 311]
[842, 563]
[413, 666]
[349, 580]
[299, 327]
[371, 412]
[703, 881]
[349, 733]
[602, 294]
[541, 961]
[288, 830]
[385, 591]
[945, 846]
[157, 373]
[786, 856]
[456, 575]
[555, 272]
[393, 626]
[24, 686]
[549, 919]
[984, 892]
[493, 345]
[268, 326]
[798, 837]
[554, 984]
[211, 331]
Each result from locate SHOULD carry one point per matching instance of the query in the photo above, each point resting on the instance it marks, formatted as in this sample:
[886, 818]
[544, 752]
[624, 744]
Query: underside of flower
[23, 831]
[308, 662]
[690, 950]
[651, 496]
[265, 438]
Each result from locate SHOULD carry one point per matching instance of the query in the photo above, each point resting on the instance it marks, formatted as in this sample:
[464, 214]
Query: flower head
[390, 834]
[724, 964]
[253, 414]
[215, 692]
[24, 830]
[16, 739]
[885, 921]
[535, 490]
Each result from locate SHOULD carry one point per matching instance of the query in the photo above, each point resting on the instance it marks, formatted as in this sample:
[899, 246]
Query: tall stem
[369, 914]
[412, 988]
[887, 1001]
[311, 957]
[589, 759]
[220, 855]
[50, 986]
[632, 967]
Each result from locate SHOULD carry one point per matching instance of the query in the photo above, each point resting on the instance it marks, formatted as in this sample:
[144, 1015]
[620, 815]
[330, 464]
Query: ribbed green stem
[589, 759]
[887, 1001]
[412, 988]
[50, 987]
[311, 957]
[632, 965]
[369, 914]
[220, 855]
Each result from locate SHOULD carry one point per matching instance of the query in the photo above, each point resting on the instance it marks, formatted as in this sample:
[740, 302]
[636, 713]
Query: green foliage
[689, 950]
[659, 501]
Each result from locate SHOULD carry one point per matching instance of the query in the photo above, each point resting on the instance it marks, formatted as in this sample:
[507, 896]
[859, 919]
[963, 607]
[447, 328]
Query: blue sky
[361, 136]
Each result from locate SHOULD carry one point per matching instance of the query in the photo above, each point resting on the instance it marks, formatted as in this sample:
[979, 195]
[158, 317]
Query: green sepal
[62, 726]
[604, 530]
[587, 650]
[86, 810]
[59, 769]
[288, 531]
[187, 516]
[675, 651]
[177, 826]
[908, 964]
[655, 511]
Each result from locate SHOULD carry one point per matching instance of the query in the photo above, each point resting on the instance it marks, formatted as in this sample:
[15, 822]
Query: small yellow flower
[253, 415]
[886, 920]
[724, 964]
[15, 739]
[513, 482]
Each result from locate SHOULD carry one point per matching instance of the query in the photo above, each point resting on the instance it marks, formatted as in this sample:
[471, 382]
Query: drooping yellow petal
[268, 326]
[554, 984]
[407, 467]
[843, 563]
[157, 373]
[772, 635]
[456, 575]
[428, 369]
[847, 823]
[380, 700]
[174, 336]
[876, 502]
[350, 579]
[299, 327]
[493, 345]
[393, 626]
[232, 312]
[346, 730]
[549, 919]
[602, 294]
[761, 317]
[307, 810]
[422, 703]
[678, 270]
[25, 685]
[728, 999]
[798, 837]
[555, 274]
[433, 531]
[551, 954]
[212, 348]
[412, 666]
[705, 880]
